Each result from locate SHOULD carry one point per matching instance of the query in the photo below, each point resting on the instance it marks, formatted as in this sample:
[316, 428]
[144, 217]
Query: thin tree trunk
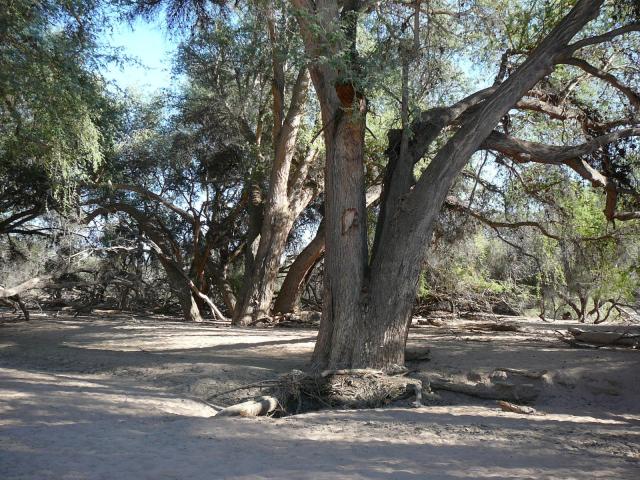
[220, 276]
[257, 299]
[288, 299]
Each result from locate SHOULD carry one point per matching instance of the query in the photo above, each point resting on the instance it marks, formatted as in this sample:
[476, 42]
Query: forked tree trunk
[289, 296]
[282, 205]
[367, 308]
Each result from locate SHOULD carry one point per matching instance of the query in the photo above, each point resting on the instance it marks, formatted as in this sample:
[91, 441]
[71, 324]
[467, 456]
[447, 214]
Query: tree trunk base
[299, 392]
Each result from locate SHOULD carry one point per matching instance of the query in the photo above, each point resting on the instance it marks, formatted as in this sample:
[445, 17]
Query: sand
[121, 397]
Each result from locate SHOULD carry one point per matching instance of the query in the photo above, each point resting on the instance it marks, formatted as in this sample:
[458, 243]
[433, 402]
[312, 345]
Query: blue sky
[152, 48]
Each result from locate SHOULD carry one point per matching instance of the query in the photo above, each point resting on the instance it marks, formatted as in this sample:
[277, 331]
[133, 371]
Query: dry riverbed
[121, 397]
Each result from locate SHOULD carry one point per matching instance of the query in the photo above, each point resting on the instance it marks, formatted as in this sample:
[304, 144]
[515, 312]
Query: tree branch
[526, 151]
[455, 204]
[151, 196]
[633, 97]
[632, 27]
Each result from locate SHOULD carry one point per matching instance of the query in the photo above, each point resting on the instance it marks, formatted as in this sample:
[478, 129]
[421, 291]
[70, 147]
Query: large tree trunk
[288, 299]
[366, 314]
[346, 232]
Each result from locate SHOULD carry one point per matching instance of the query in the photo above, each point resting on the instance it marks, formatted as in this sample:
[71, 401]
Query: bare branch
[455, 204]
[525, 151]
[151, 196]
[632, 27]
[24, 286]
[633, 97]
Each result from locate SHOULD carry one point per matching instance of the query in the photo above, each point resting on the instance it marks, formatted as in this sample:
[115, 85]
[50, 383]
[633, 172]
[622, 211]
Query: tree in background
[57, 123]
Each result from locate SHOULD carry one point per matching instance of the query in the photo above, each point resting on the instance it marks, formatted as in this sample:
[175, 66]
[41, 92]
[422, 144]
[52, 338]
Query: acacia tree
[289, 189]
[368, 299]
[228, 55]
[56, 121]
[181, 182]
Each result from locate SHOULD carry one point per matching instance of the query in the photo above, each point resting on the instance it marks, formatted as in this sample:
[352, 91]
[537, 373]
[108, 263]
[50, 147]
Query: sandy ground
[117, 397]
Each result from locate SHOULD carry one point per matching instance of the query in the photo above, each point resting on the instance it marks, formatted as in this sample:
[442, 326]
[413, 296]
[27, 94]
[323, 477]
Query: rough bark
[343, 111]
[288, 299]
[380, 341]
[367, 307]
[345, 236]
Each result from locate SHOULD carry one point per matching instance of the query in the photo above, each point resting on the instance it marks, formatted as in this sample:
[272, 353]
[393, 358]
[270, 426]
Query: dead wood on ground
[512, 407]
[495, 390]
[264, 405]
[579, 338]
[496, 327]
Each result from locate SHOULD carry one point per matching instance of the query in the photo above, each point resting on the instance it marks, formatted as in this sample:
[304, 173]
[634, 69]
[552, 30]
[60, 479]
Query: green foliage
[54, 114]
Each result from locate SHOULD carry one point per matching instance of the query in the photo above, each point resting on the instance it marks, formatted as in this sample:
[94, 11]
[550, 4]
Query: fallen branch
[495, 327]
[605, 338]
[512, 407]
[579, 338]
[24, 286]
[12, 302]
[502, 391]
[537, 374]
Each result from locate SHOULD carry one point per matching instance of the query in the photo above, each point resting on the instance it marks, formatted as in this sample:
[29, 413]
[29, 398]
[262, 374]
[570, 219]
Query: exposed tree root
[252, 408]
[362, 388]
[298, 392]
